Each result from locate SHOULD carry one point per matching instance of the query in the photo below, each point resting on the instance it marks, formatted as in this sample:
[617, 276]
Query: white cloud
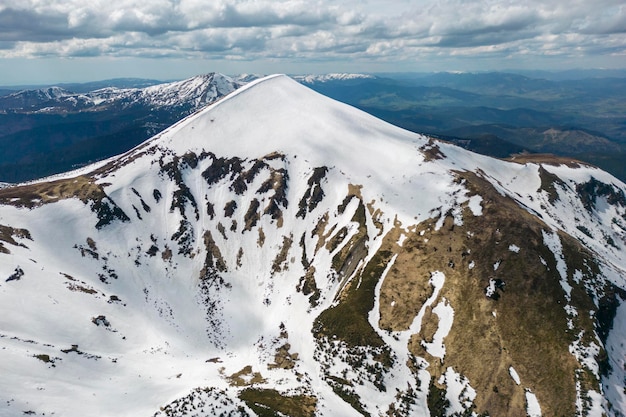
[320, 30]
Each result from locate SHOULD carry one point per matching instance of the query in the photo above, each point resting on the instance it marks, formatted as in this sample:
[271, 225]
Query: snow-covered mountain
[193, 92]
[280, 253]
[324, 78]
[26, 99]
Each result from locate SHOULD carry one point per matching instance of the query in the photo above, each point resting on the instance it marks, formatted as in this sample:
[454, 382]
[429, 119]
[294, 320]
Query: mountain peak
[283, 115]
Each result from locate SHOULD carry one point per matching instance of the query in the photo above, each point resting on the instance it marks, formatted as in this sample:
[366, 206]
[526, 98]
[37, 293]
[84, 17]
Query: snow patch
[491, 288]
[437, 280]
[445, 312]
[586, 355]
[532, 405]
[475, 206]
[514, 375]
[459, 392]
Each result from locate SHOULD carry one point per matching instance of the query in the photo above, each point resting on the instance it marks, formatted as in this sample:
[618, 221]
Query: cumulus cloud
[315, 30]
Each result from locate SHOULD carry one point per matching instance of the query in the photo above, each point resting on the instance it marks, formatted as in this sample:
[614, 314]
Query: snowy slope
[279, 250]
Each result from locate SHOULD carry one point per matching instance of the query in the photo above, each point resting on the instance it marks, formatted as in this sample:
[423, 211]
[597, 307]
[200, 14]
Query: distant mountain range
[52, 129]
[502, 113]
[280, 253]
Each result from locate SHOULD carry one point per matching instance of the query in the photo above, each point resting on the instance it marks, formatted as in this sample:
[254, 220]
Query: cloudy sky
[81, 40]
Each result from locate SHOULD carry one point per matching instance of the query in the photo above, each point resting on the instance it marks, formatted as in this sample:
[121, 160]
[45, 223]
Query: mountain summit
[280, 253]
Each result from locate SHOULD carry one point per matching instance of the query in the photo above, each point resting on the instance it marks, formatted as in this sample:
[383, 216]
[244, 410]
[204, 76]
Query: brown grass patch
[308, 286]
[245, 377]
[269, 403]
[280, 262]
[431, 151]
[31, 195]
[214, 258]
[8, 235]
[261, 239]
[547, 159]
[284, 359]
[80, 288]
[166, 255]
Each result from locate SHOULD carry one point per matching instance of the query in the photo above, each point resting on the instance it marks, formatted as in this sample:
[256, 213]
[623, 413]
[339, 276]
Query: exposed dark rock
[252, 215]
[221, 168]
[229, 208]
[100, 321]
[107, 212]
[590, 191]
[16, 275]
[314, 194]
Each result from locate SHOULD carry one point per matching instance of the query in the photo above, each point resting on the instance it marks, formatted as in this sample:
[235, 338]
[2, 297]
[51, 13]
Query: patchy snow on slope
[514, 375]
[614, 383]
[553, 242]
[514, 248]
[491, 288]
[399, 341]
[459, 392]
[533, 409]
[445, 312]
[585, 353]
[437, 280]
[475, 206]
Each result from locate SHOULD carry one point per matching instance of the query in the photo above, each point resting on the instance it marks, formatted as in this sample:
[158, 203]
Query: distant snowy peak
[51, 93]
[190, 94]
[193, 93]
[29, 98]
[246, 78]
[47, 93]
[199, 90]
[323, 78]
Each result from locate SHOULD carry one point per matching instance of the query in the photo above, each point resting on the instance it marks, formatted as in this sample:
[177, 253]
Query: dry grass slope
[526, 327]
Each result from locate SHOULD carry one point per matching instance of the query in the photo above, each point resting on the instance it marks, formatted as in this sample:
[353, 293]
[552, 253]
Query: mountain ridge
[281, 251]
[51, 136]
[195, 91]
